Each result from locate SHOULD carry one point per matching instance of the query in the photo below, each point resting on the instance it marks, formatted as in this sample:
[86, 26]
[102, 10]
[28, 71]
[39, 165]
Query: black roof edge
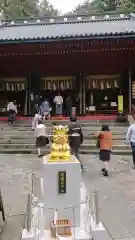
[132, 15]
[50, 40]
[64, 23]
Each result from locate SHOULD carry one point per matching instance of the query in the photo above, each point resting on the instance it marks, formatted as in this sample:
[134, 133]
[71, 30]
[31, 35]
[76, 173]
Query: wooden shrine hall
[90, 58]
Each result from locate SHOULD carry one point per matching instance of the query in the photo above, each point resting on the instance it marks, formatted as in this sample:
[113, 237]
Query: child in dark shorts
[104, 138]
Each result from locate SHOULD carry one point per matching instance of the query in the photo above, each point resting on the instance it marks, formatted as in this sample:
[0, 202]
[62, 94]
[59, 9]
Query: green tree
[12, 9]
[47, 9]
[126, 6]
[102, 6]
[91, 7]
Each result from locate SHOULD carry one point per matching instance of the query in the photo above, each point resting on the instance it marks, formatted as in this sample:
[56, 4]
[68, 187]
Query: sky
[65, 5]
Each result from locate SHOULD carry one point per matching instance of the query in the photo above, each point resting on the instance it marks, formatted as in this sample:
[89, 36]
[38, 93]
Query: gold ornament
[60, 148]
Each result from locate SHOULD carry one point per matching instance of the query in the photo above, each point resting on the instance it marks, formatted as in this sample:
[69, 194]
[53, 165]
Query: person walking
[12, 111]
[104, 142]
[58, 100]
[41, 137]
[45, 109]
[35, 109]
[35, 120]
[75, 137]
[131, 137]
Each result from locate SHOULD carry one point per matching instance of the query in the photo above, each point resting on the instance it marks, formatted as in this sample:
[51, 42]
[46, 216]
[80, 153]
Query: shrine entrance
[13, 89]
[102, 93]
[51, 86]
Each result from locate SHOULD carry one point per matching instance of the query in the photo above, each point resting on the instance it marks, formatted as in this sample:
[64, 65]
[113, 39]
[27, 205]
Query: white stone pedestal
[64, 201]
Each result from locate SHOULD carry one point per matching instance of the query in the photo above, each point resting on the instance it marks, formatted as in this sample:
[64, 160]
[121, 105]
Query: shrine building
[91, 58]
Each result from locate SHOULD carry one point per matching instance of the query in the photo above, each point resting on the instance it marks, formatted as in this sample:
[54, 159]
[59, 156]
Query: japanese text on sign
[62, 182]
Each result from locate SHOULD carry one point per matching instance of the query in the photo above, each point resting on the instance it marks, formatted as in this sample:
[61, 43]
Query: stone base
[79, 233]
[88, 229]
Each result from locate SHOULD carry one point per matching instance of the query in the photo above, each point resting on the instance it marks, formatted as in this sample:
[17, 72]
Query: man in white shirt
[58, 100]
[12, 107]
[131, 137]
[12, 110]
[41, 136]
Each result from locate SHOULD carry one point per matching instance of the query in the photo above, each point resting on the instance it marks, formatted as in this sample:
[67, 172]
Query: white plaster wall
[72, 197]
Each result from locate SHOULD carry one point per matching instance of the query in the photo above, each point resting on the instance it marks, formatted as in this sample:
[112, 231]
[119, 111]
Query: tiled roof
[66, 28]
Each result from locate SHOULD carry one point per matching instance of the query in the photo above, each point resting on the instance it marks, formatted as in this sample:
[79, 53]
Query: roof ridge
[40, 22]
[79, 28]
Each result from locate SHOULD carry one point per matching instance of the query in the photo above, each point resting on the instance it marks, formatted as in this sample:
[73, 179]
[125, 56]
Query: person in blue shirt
[44, 109]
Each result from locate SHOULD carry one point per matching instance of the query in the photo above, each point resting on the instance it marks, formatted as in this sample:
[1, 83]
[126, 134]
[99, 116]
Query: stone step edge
[86, 145]
[34, 151]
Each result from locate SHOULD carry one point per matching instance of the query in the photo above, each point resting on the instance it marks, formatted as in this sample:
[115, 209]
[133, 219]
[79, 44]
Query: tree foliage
[12, 9]
[127, 6]
[47, 9]
[101, 6]
[19, 8]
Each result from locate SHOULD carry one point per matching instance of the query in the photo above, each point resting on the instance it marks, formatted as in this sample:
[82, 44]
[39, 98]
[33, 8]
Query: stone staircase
[20, 138]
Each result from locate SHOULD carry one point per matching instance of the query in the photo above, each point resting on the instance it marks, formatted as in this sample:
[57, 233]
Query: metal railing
[29, 212]
[94, 206]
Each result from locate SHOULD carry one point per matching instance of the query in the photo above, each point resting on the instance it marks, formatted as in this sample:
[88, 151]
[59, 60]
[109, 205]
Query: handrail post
[29, 212]
[32, 183]
[97, 206]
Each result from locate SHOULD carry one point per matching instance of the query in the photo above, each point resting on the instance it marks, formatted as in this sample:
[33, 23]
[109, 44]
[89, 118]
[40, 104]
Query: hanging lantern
[115, 84]
[18, 86]
[107, 85]
[23, 86]
[67, 84]
[93, 84]
[7, 86]
[91, 100]
[49, 85]
[61, 85]
[12, 87]
[102, 85]
[54, 86]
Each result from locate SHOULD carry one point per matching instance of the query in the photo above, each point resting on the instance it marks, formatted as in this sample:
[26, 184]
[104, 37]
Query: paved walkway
[15, 172]
[117, 193]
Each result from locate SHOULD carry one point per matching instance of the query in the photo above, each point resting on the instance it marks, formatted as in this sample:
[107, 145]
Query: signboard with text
[120, 103]
[62, 182]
